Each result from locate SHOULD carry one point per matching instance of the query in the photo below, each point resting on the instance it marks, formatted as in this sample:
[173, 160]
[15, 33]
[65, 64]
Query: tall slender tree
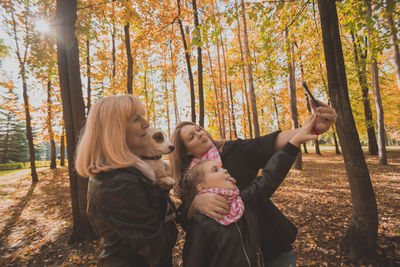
[22, 55]
[244, 88]
[199, 64]
[73, 111]
[361, 236]
[390, 6]
[250, 72]
[377, 91]
[360, 60]
[189, 67]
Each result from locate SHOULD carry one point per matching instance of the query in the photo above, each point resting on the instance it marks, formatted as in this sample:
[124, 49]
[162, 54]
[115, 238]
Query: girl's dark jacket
[127, 211]
[210, 244]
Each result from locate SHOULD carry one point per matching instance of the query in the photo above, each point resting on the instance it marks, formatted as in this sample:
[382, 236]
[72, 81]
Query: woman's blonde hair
[102, 144]
[179, 159]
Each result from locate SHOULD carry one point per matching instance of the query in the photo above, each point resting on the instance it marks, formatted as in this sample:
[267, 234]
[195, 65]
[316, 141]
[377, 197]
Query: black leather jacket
[127, 211]
[238, 244]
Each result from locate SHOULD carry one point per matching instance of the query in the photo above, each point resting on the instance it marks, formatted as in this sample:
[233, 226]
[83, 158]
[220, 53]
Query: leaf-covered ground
[35, 220]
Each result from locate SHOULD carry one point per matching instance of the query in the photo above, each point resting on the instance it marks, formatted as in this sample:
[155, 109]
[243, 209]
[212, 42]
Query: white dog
[156, 145]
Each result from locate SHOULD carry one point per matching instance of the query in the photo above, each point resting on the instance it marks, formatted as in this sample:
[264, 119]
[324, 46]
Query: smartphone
[311, 96]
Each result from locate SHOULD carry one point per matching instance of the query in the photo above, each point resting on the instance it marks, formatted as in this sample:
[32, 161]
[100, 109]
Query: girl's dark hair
[179, 159]
[189, 182]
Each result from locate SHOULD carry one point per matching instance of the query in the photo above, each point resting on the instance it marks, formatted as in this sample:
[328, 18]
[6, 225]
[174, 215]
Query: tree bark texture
[73, 111]
[361, 237]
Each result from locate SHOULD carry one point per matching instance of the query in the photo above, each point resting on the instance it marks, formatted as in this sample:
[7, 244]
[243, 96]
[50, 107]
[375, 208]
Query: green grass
[8, 172]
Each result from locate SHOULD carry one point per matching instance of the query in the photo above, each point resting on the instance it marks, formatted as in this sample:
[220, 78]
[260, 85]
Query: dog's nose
[171, 147]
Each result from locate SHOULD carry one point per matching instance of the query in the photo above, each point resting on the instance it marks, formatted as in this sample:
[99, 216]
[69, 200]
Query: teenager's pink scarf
[211, 154]
[235, 202]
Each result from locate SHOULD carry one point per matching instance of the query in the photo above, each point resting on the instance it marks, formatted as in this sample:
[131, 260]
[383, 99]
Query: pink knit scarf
[235, 202]
[211, 154]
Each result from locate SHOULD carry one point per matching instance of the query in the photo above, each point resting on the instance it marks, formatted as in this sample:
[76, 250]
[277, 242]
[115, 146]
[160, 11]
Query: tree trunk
[129, 74]
[232, 111]
[187, 56]
[29, 134]
[216, 94]
[249, 73]
[6, 145]
[62, 148]
[244, 88]
[22, 64]
[73, 112]
[396, 52]
[173, 84]
[361, 237]
[221, 92]
[362, 80]
[276, 112]
[227, 91]
[305, 148]
[53, 163]
[89, 89]
[199, 65]
[292, 95]
[167, 102]
[336, 142]
[113, 51]
[378, 101]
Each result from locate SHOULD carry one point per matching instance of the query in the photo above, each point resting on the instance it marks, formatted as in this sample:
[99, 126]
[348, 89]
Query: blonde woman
[124, 207]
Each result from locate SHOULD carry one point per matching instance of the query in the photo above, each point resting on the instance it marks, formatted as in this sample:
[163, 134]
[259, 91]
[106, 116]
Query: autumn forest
[238, 68]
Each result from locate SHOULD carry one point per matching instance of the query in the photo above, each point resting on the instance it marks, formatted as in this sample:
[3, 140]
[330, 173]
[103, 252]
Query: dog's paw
[166, 182]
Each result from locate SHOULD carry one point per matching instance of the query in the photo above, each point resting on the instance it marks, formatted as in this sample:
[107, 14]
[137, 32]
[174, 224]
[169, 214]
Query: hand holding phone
[315, 102]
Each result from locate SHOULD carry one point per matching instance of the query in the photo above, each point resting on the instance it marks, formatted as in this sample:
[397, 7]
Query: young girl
[234, 240]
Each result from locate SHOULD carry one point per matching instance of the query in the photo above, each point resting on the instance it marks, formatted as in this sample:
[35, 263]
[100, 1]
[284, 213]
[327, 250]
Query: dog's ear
[158, 137]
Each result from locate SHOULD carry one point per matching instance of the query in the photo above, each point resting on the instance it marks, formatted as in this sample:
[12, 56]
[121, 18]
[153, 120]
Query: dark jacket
[243, 159]
[127, 211]
[209, 243]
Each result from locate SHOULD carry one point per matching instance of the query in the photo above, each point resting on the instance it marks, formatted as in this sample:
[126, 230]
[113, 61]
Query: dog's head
[158, 143]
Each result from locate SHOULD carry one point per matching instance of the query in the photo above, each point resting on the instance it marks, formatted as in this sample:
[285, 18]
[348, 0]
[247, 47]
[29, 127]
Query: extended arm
[326, 117]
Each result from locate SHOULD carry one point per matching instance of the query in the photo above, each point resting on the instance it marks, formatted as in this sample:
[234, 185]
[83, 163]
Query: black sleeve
[127, 209]
[197, 249]
[272, 175]
[259, 150]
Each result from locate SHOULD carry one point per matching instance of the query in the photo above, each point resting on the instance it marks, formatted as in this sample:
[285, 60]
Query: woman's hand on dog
[211, 204]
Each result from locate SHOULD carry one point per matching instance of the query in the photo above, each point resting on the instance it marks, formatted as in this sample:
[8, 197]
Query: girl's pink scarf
[235, 202]
[211, 154]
